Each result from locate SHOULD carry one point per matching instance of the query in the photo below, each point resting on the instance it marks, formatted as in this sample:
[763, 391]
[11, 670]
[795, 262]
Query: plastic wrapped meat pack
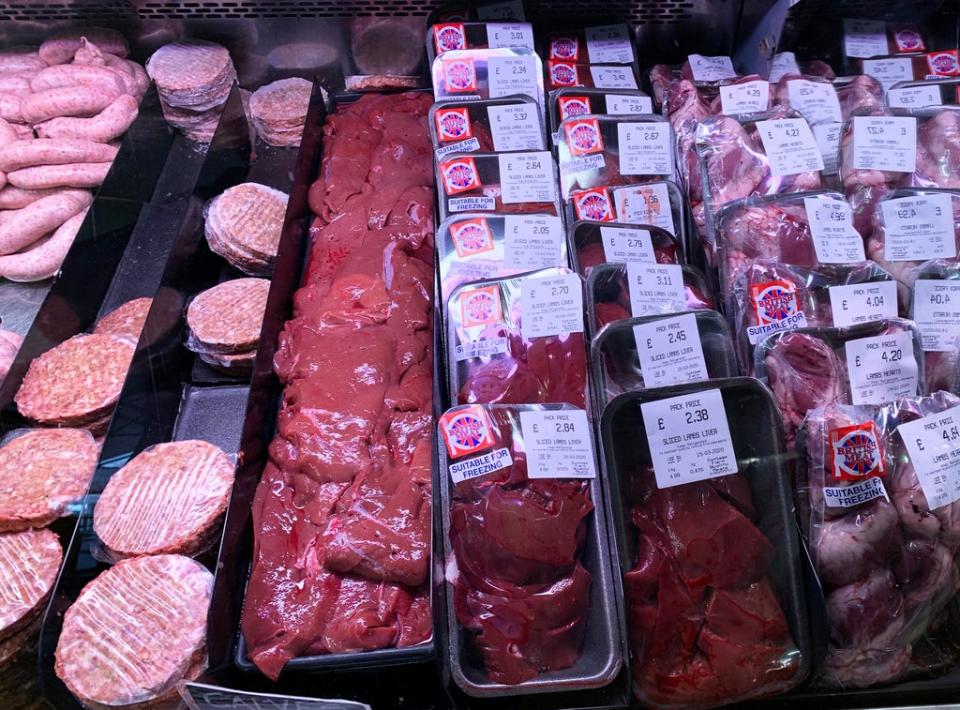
[486, 126]
[573, 102]
[594, 243]
[660, 204]
[447, 36]
[488, 74]
[935, 308]
[563, 74]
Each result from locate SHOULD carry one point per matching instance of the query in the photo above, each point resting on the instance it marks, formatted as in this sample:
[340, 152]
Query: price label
[861, 303]
[627, 245]
[655, 288]
[481, 348]
[201, 696]
[918, 228]
[508, 10]
[613, 77]
[816, 101]
[933, 443]
[790, 146]
[711, 68]
[936, 310]
[831, 226]
[515, 127]
[609, 44]
[645, 204]
[864, 38]
[783, 63]
[689, 438]
[881, 368]
[645, 148]
[914, 96]
[889, 71]
[670, 351]
[513, 75]
[827, 136]
[622, 105]
[533, 242]
[558, 444]
[745, 98]
[551, 306]
[527, 177]
[887, 143]
[518, 34]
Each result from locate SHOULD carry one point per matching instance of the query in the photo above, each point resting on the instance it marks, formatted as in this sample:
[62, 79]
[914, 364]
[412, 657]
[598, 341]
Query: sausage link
[42, 177]
[7, 133]
[86, 75]
[25, 226]
[16, 84]
[110, 123]
[53, 151]
[45, 258]
[11, 107]
[61, 47]
[13, 61]
[66, 101]
[13, 198]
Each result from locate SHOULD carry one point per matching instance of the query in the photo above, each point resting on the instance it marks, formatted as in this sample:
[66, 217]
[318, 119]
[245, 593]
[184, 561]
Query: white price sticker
[670, 351]
[515, 127]
[865, 38]
[481, 465]
[626, 245]
[790, 146]
[750, 97]
[881, 368]
[862, 303]
[609, 44]
[827, 136]
[508, 10]
[551, 306]
[519, 34]
[621, 105]
[918, 228]
[532, 242]
[471, 204]
[831, 226]
[711, 68]
[645, 148]
[689, 438]
[933, 443]
[655, 288]
[887, 143]
[936, 310]
[558, 444]
[855, 494]
[645, 204]
[914, 96]
[889, 71]
[783, 63]
[816, 101]
[481, 348]
[613, 77]
[527, 177]
[513, 75]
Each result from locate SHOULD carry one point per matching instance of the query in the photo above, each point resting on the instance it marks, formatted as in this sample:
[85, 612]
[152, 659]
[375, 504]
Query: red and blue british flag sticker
[774, 301]
[943, 63]
[563, 74]
[480, 307]
[471, 237]
[460, 175]
[466, 430]
[593, 205]
[459, 75]
[565, 47]
[857, 453]
[583, 137]
[572, 106]
[449, 36]
[453, 124]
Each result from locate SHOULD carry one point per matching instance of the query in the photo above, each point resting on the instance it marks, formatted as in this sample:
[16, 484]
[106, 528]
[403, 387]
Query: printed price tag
[783, 63]
[527, 177]
[558, 444]
[790, 146]
[919, 228]
[626, 245]
[551, 306]
[515, 127]
[889, 71]
[645, 204]
[620, 105]
[532, 241]
[481, 348]
[471, 204]
[861, 303]
[936, 310]
[864, 38]
[670, 351]
[816, 101]
[711, 68]
[689, 438]
[855, 494]
[508, 10]
[645, 148]
[201, 696]
[655, 288]
[914, 97]
[831, 226]
[613, 77]
[827, 136]
[881, 368]
[609, 44]
[745, 98]
[933, 443]
[887, 143]
[513, 75]
[510, 35]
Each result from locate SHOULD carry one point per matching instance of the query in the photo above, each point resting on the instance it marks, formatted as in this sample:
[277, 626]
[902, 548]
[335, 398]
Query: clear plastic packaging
[916, 66]
[603, 44]
[928, 93]
[488, 74]
[660, 204]
[444, 37]
[935, 308]
[486, 126]
[564, 75]
[518, 340]
[873, 38]
[593, 243]
[820, 100]
[530, 593]
[573, 102]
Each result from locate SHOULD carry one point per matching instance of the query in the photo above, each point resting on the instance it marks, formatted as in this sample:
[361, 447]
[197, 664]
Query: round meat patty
[29, 562]
[76, 383]
[279, 111]
[135, 631]
[228, 317]
[192, 74]
[43, 471]
[244, 225]
[127, 319]
[165, 500]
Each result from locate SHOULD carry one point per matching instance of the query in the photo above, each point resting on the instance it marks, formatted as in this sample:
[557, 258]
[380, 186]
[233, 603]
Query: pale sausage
[16, 84]
[25, 226]
[53, 151]
[110, 123]
[13, 198]
[24, 60]
[61, 47]
[7, 133]
[86, 75]
[11, 107]
[72, 175]
[66, 101]
[45, 258]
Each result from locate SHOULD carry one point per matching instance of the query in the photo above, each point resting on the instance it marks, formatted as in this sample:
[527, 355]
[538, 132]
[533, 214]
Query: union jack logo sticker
[453, 124]
[565, 47]
[593, 205]
[471, 237]
[449, 36]
[572, 106]
[857, 453]
[460, 175]
[583, 137]
[480, 306]
[466, 430]
[459, 75]
[774, 301]
[563, 74]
